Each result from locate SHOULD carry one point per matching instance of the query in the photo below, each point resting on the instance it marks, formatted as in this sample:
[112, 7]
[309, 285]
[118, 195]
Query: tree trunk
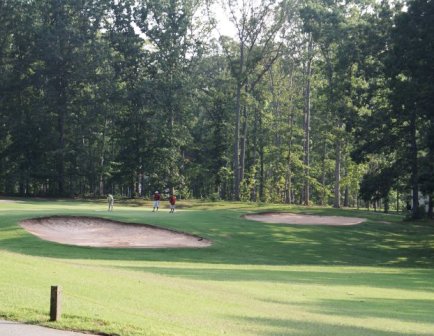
[306, 123]
[289, 168]
[397, 201]
[386, 204]
[430, 206]
[323, 174]
[236, 162]
[261, 163]
[347, 197]
[236, 154]
[101, 177]
[61, 148]
[253, 195]
[102, 151]
[288, 178]
[337, 190]
[261, 175]
[414, 168]
[243, 144]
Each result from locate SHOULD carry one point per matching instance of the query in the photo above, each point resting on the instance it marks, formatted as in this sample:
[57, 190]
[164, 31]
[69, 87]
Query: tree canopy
[315, 101]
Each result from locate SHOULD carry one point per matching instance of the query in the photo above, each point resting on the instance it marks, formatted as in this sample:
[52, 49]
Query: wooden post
[55, 303]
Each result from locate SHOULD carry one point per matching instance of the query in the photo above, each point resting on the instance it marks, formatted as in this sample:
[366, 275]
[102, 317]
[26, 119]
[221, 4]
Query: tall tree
[412, 74]
[169, 28]
[257, 25]
[307, 117]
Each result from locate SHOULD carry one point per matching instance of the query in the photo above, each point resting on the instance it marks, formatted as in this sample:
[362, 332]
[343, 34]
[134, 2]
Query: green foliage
[396, 128]
[132, 96]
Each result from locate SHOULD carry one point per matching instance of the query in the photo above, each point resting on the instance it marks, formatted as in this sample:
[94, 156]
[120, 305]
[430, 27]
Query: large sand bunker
[98, 232]
[291, 218]
[9, 201]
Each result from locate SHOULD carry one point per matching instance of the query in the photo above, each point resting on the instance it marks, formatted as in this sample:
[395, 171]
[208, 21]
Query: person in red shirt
[157, 198]
[172, 201]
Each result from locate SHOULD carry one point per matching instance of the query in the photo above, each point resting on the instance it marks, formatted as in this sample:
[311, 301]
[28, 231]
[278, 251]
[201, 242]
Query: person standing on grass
[157, 198]
[172, 201]
[110, 201]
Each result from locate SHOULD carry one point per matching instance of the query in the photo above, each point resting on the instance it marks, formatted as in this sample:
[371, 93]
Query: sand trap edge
[248, 216]
[117, 222]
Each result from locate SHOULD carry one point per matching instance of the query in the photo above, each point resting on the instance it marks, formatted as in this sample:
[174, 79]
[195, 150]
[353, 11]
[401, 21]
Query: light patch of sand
[98, 232]
[9, 201]
[299, 219]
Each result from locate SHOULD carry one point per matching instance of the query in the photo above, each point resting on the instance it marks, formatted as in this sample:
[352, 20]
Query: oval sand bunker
[98, 232]
[291, 218]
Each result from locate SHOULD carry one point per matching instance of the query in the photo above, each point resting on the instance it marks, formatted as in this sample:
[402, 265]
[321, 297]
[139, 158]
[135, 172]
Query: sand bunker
[98, 232]
[9, 201]
[290, 218]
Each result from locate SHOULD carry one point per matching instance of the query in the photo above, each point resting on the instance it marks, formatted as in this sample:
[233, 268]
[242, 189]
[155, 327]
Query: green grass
[376, 278]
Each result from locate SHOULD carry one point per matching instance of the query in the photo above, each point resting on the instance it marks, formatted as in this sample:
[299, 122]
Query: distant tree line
[317, 101]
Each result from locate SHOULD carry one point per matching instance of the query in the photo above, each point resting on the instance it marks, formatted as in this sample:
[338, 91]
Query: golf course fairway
[256, 278]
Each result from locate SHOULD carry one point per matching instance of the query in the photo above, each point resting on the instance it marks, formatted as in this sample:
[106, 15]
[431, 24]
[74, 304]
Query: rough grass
[375, 278]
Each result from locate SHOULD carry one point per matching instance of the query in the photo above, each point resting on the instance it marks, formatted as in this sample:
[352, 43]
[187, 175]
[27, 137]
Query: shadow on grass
[358, 311]
[407, 279]
[419, 311]
[297, 328]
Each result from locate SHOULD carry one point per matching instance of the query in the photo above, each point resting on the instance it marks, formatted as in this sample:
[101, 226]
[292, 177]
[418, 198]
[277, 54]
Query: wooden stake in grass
[55, 303]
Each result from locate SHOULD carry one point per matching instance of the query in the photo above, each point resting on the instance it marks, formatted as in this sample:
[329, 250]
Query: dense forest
[309, 102]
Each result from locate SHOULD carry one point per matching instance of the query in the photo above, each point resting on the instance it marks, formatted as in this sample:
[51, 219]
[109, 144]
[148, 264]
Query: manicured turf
[376, 278]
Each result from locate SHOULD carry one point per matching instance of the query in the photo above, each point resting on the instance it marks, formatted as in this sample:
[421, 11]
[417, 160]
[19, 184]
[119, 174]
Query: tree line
[313, 101]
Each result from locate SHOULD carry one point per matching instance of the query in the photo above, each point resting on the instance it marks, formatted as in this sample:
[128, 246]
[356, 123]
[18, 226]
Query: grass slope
[257, 279]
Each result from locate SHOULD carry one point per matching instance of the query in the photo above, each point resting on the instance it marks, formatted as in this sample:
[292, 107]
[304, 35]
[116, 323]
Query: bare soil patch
[300, 219]
[99, 232]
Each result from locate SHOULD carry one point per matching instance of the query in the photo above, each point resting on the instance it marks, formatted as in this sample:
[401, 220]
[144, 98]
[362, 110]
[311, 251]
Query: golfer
[110, 201]
[157, 198]
[172, 201]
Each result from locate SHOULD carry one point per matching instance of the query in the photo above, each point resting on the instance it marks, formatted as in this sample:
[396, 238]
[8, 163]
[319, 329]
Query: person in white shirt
[110, 201]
